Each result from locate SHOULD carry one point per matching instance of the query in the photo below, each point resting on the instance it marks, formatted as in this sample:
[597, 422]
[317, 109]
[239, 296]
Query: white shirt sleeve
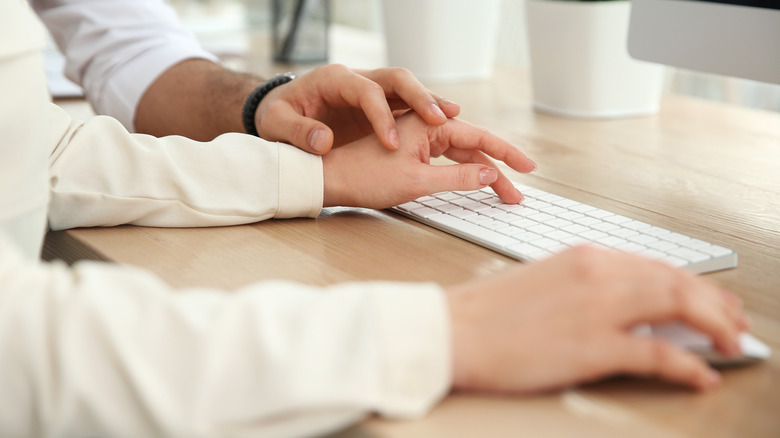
[115, 49]
[112, 351]
[101, 175]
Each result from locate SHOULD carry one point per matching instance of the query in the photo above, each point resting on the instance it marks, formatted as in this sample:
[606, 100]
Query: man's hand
[363, 174]
[334, 105]
[570, 319]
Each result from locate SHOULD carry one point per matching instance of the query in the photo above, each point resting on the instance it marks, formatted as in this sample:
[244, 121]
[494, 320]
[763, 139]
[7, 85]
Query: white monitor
[738, 38]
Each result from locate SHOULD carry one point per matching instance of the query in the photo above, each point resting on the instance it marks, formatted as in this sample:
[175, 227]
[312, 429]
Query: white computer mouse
[684, 336]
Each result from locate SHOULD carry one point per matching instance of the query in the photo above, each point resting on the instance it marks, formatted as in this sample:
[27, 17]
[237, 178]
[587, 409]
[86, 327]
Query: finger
[370, 97]
[282, 123]
[401, 83]
[648, 356]
[734, 308]
[502, 186]
[666, 294]
[435, 179]
[462, 135]
[450, 108]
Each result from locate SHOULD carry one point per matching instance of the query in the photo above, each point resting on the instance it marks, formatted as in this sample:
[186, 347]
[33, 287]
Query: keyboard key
[575, 228]
[689, 254]
[448, 208]
[558, 235]
[662, 245]
[492, 212]
[447, 196]
[478, 196]
[582, 208]
[475, 206]
[524, 223]
[570, 215]
[642, 239]
[636, 225]
[592, 235]
[478, 232]
[674, 237]
[655, 231]
[623, 233]
[541, 217]
[541, 229]
[587, 221]
[559, 223]
[599, 214]
[425, 212]
[407, 206]
[433, 203]
[478, 219]
[606, 227]
[462, 213]
[527, 236]
[617, 219]
[716, 251]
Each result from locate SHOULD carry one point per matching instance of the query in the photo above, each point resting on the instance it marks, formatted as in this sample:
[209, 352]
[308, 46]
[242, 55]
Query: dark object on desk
[300, 30]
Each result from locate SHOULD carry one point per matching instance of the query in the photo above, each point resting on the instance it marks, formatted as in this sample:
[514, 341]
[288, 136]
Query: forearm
[101, 175]
[196, 98]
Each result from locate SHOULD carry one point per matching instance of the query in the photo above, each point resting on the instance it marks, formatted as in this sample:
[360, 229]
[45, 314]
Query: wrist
[334, 189]
[461, 338]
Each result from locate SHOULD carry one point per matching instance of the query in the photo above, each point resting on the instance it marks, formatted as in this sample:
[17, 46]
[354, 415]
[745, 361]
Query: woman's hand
[362, 174]
[570, 319]
[334, 105]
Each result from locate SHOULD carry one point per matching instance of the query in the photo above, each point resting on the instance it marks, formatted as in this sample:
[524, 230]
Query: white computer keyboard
[545, 224]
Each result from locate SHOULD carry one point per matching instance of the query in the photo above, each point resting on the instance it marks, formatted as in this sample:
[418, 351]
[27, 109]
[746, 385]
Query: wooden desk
[703, 169]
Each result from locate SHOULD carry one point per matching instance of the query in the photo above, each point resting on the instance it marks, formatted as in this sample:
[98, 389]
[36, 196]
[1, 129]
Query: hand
[361, 174]
[569, 319]
[334, 105]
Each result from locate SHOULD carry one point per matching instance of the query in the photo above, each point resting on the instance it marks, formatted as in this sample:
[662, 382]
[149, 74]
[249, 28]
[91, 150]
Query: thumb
[469, 176]
[285, 124]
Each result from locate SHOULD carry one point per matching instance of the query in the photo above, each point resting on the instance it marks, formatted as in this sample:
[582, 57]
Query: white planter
[442, 40]
[580, 65]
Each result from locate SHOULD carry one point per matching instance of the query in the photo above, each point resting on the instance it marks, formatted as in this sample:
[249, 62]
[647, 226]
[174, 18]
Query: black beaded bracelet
[250, 106]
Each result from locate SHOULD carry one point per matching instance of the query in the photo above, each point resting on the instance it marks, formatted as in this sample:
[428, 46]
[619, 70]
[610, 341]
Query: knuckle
[372, 88]
[588, 262]
[400, 74]
[680, 296]
[462, 176]
[297, 130]
[334, 68]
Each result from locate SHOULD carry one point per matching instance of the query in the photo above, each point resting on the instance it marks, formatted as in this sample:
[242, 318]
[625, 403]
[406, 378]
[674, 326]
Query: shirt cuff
[301, 187]
[416, 350]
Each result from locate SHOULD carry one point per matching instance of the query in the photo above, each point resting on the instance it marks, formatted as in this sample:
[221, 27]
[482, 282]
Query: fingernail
[487, 176]
[313, 141]
[522, 197]
[393, 136]
[437, 110]
[447, 102]
[534, 164]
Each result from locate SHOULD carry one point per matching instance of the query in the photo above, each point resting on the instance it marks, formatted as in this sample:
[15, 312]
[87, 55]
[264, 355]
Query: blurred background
[240, 32]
